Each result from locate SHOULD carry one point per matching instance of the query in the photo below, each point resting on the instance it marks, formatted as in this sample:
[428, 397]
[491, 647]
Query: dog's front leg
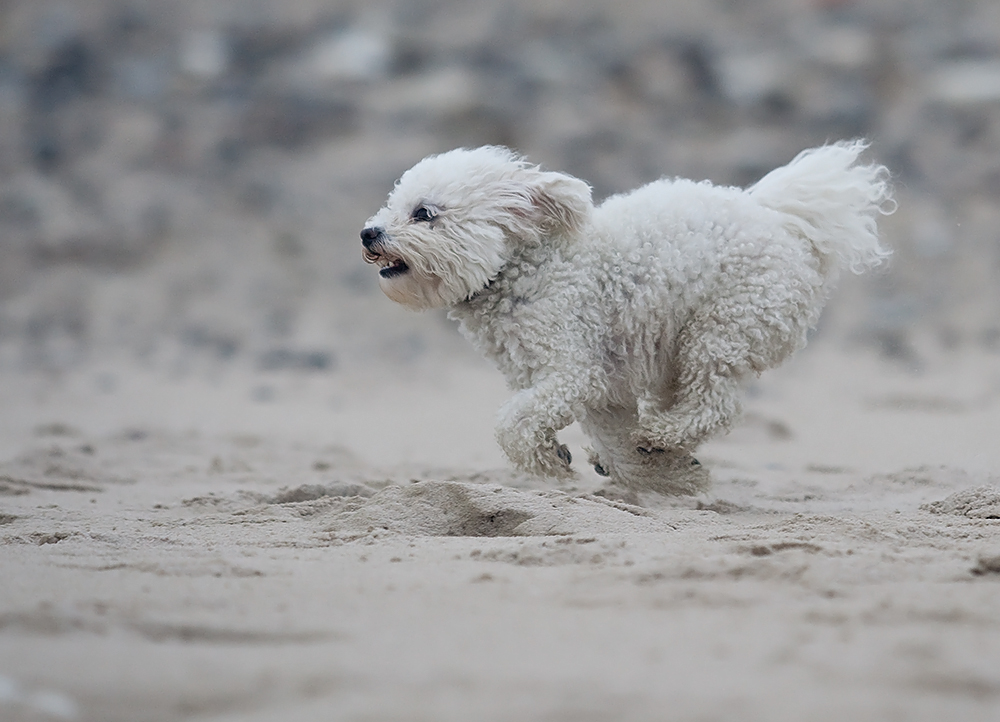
[528, 422]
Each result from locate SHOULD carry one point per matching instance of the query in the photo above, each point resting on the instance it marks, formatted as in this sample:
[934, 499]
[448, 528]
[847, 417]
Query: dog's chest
[506, 338]
[522, 327]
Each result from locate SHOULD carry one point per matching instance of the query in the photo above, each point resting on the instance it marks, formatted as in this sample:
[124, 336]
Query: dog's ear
[545, 204]
[562, 201]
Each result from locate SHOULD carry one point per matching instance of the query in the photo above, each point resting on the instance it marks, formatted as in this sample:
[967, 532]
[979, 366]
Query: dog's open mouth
[390, 267]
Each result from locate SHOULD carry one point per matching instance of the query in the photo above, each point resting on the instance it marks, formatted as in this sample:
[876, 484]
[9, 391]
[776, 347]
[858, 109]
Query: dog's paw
[599, 466]
[665, 432]
[552, 459]
[558, 468]
[656, 431]
[653, 443]
[542, 456]
[549, 460]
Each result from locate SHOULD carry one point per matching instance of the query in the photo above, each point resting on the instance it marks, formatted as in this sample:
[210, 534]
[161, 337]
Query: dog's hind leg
[713, 357]
[752, 329]
[755, 326]
[707, 406]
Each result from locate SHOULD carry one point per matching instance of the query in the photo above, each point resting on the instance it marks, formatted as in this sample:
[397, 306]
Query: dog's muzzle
[373, 241]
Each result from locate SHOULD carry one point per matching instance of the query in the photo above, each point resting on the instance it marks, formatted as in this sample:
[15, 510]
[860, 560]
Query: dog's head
[455, 220]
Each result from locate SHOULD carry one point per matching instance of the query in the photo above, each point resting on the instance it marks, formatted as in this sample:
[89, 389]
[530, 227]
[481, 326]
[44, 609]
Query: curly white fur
[639, 317]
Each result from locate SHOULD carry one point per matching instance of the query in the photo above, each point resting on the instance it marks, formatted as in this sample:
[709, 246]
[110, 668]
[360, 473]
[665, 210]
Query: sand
[352, 547]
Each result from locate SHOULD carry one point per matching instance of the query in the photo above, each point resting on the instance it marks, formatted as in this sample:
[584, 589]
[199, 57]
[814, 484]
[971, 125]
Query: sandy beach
[188, 556]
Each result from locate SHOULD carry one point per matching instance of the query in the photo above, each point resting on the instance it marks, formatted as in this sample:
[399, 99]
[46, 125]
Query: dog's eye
[422, 214]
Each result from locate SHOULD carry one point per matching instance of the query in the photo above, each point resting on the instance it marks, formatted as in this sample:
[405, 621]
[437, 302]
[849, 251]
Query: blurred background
[182, 182]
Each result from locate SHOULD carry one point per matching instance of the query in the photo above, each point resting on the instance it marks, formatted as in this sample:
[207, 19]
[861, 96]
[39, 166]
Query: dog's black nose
[370, 235]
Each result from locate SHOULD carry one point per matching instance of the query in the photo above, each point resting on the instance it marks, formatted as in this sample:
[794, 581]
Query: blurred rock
[847, 47]
[204, 54]
[285, 359]
[70, 71]
[750, 78]
[965, 82]
[352, 54]
[290, 122]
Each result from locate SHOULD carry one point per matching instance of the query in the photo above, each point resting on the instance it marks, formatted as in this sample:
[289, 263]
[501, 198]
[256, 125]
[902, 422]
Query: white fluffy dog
[638, 317]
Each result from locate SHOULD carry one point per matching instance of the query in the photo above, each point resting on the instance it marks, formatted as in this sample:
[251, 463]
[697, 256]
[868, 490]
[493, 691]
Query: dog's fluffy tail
[833, 201]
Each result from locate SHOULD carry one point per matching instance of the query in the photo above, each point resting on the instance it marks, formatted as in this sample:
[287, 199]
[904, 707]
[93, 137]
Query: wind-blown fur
[639, 317]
